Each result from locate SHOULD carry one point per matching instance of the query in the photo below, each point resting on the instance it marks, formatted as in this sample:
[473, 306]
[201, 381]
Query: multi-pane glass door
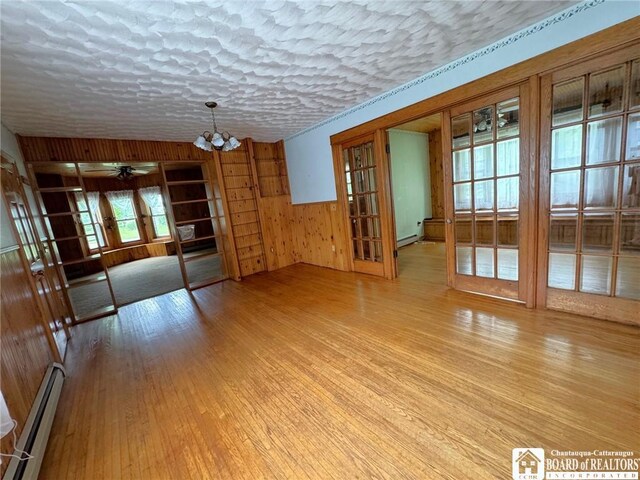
[363, 204]
[484, 171]
[592, 163]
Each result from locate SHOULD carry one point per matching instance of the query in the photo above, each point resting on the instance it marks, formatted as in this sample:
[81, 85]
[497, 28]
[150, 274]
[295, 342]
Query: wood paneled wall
[24, 348]
[434, 228]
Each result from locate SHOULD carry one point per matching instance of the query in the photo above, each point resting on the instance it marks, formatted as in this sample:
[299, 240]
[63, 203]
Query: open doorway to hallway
[417, 184]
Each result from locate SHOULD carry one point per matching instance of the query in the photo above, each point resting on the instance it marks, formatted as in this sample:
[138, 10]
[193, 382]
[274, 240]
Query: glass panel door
[196, 218]
[362, 191]
[484, 173]
[73, 244]
[591, 160]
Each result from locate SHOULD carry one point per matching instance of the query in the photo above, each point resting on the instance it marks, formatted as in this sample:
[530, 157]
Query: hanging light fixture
[215, 140]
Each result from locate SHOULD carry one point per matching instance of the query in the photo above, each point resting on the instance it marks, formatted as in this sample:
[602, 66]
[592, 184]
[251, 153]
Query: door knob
[449, 221]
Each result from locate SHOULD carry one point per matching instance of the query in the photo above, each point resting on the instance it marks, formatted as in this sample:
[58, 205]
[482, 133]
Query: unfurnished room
[309, 239]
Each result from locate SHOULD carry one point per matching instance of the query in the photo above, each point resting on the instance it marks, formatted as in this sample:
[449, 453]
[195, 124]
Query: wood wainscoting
[25, 347]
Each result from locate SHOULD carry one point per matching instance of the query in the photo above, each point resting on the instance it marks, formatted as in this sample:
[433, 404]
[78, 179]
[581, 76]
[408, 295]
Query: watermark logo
[528, 463]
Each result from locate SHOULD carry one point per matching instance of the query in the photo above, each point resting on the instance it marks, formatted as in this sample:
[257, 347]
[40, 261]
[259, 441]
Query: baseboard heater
[407, 241]
[35, 433]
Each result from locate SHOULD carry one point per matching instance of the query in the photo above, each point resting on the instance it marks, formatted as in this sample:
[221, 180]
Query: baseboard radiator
[407, 241]
[35, 433]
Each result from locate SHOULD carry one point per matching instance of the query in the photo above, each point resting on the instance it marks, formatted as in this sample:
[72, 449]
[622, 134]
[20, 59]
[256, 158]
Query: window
[93, 237]
[125, 216]
[152, 196]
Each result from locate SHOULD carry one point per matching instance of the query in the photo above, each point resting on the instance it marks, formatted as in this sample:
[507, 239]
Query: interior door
[72, 243]
[362, 182]
[45, 282]
[590, 188]
[195, 217]
[486, 172]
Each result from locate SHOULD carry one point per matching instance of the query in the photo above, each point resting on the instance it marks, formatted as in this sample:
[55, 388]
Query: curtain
[603, 146]
[121, 202]
[152, 196]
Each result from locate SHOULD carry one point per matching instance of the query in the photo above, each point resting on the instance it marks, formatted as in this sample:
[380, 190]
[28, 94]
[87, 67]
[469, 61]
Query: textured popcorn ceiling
[142, 69]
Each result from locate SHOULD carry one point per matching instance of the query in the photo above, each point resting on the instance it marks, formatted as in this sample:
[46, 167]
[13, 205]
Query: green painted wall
[411, 181]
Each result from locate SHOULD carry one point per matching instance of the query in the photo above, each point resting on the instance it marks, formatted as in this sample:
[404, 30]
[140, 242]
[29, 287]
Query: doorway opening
[417, 187]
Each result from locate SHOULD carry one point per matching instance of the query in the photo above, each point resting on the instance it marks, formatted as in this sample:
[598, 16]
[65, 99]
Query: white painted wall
[309, 159]
[411, 181]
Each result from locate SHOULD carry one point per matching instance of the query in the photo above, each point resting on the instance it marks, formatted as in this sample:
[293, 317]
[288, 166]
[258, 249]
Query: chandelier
[215, 140]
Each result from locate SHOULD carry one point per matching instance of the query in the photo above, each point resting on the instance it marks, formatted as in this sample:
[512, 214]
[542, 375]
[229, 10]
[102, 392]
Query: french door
[365, 190]
[486, 170]
[590, 188]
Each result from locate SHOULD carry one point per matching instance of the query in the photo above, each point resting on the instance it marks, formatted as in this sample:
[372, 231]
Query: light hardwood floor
[313, 373]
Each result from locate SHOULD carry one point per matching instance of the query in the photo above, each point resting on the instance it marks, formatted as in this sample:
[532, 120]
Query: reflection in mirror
[597, 233]
[484, 227]
[601, 187]
[631, 186]
[630, 234]
[508, 193]
[565, 189]
[483, 195]
[508, 230]
[483, 161]
[633, 137]
[606, 91]
[462, 196]
[461, 165]
[634, 101]
[463, 229]
[567, 102]
[508, 157]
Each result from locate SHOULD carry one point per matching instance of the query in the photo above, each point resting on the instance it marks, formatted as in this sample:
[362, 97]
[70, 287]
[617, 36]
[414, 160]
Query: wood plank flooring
[307, 372]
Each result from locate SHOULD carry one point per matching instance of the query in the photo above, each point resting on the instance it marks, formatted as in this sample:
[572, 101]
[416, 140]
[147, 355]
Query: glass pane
[364, 227]
[483, 161]
[375, 228]
[204, 268]
[373, 203]
[566, 147]
[605, 91]
[461, 165]
[634, 101]
[368, 154]
[507, 264]
[508, 230]
[604, 139]
[595, 275]
[565, 189]
[89, 297]
[508, 193]
[345, 158]
[366, 249]
[563, 232]
[567, 102]
[356, 156]
[484, 262]
[357, 249]
[630, 234]
[597, 233]
[460, 130]
[484, 230]
[628, 278]
[371, 174]
[362, 205]
[377, 251]
[160, 226]
[631, 186]
[354, 228]
[601, 187]
[462, 196]
[562, 271]
[508, 118]
[360, 181]
[482, 123]
[128, 230]
[464, 260]
[483, 195]
[633, 137]
[463, 230]
[508, 152]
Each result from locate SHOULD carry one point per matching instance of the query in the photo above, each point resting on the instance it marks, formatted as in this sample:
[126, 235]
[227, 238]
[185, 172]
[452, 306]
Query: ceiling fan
[123, 172]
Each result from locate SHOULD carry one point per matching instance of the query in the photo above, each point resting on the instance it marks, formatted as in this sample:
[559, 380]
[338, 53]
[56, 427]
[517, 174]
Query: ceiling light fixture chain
[215, 140]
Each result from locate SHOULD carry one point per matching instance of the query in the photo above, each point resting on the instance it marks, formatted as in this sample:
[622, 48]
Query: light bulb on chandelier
[215, 140]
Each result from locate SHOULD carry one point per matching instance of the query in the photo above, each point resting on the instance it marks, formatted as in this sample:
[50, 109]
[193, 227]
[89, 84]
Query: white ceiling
[143, 69]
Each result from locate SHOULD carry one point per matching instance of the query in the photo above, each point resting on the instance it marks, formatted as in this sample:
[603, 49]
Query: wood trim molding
[622, 34]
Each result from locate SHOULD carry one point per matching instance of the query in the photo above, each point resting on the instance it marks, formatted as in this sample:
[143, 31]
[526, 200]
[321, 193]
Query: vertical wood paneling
[24, 349]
